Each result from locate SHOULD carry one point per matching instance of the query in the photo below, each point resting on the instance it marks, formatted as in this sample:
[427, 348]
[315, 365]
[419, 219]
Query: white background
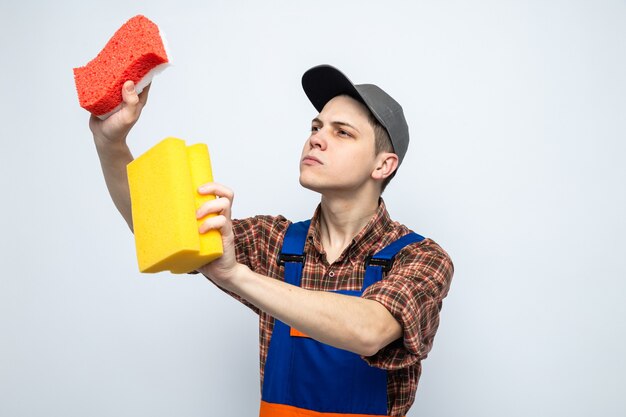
[516, 167]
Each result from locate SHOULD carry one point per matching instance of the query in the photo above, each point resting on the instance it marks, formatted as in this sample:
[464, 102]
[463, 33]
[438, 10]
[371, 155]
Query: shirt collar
[364, 241]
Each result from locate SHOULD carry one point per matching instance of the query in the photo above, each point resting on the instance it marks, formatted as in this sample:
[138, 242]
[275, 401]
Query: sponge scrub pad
[163, 185]
[136, 52]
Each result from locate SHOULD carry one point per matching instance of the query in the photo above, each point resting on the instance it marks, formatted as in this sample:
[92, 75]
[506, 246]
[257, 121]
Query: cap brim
[324, 82]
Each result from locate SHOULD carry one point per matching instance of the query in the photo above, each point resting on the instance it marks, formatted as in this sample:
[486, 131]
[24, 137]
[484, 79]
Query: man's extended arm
[352, 323]
[110, 139]
[356, 324]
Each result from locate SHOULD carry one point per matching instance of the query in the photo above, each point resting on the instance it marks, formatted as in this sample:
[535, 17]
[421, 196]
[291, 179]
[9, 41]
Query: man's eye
[314, 128]
[343, 133]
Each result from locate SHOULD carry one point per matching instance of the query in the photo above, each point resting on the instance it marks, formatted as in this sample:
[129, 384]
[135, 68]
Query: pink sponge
[135, 52]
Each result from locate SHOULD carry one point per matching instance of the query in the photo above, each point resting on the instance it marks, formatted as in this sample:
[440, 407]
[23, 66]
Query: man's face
[339, 154]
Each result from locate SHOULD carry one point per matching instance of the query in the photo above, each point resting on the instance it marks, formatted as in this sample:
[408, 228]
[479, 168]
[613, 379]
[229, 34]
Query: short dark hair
[382, 143]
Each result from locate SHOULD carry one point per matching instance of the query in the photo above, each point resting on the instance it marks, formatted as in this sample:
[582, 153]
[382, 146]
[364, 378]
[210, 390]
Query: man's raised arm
[110, 138]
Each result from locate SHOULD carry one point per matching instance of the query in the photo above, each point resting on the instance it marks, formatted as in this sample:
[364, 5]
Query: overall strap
[292, 253]
[382, 261]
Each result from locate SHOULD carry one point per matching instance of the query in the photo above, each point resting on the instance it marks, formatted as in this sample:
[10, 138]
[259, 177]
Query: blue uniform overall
[304, 377]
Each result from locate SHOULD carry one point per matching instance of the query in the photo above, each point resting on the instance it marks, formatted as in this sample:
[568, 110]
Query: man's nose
[318, 139]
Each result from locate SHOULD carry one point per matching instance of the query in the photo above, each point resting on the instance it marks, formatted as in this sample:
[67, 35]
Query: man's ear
[386, 164]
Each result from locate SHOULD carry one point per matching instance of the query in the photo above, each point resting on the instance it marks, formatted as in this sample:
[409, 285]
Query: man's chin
[309, 185]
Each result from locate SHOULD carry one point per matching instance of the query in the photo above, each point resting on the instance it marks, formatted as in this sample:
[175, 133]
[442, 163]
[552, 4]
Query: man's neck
[341, 220]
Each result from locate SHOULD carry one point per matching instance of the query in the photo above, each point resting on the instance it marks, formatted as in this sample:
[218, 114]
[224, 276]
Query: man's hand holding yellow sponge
[163, 188]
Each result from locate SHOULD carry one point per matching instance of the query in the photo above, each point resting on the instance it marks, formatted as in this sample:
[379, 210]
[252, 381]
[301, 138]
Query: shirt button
[331, 274]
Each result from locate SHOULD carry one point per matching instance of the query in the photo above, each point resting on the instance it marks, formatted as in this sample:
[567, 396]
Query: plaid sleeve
[412, 292]
[258, 240]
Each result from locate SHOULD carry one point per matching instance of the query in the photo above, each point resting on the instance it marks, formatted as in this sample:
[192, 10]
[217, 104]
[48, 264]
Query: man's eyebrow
[336, 123]
[340, 123]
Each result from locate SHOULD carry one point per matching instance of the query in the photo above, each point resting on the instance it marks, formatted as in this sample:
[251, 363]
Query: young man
[349, 303]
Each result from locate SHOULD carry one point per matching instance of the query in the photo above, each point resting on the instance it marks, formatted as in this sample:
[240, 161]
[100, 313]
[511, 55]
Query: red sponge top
[134, 50]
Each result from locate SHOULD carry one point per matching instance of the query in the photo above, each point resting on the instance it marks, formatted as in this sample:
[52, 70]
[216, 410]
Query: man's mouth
[311, 160]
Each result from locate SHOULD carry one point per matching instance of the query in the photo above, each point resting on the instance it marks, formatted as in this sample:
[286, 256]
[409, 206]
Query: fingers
[217, 189]
[219, 206]
[217, 222]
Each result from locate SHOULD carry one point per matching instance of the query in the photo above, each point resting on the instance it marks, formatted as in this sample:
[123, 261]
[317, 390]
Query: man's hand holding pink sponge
[135, 52]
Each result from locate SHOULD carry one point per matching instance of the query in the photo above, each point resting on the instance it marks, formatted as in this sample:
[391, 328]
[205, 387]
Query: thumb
[129, 94]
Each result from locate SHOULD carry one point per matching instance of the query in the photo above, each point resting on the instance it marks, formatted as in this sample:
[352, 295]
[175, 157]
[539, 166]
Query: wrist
[109, 150]
[238, 277]
[103, 142]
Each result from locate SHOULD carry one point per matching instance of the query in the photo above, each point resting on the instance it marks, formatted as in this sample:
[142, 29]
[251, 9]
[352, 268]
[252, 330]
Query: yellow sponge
[163, 190]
